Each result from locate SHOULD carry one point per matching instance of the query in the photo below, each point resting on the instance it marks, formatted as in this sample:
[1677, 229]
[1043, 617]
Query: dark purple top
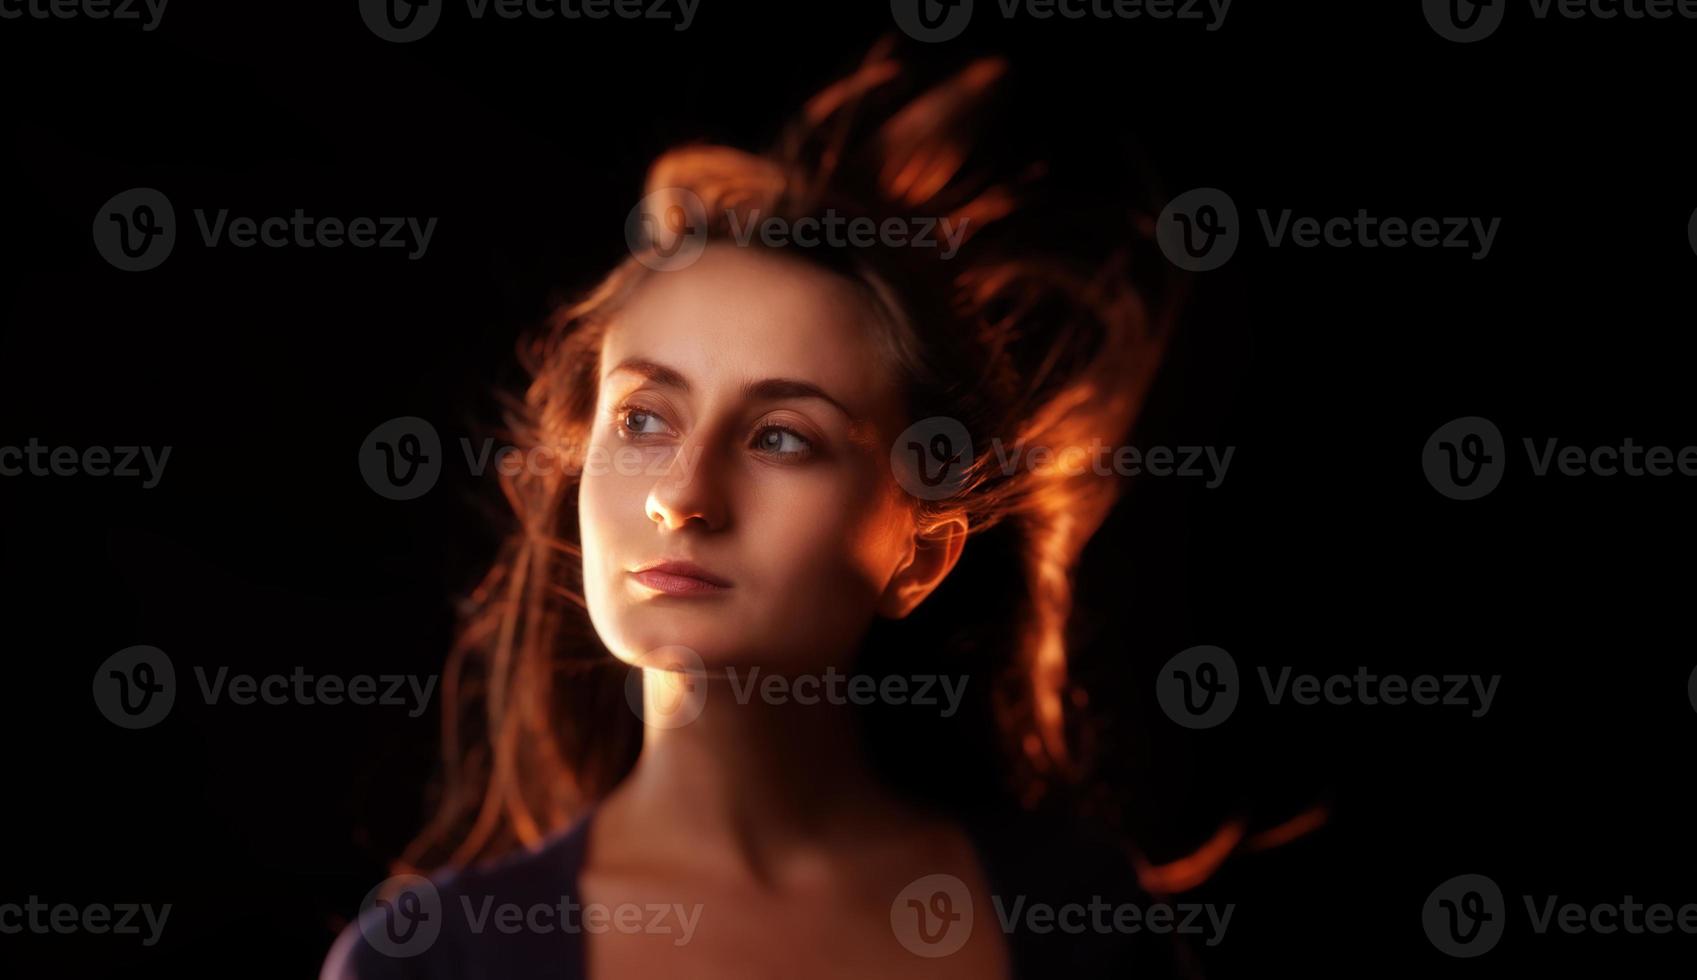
[453, 927]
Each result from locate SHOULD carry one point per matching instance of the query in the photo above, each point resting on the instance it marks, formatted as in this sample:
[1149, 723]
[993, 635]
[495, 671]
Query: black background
[1325, 548]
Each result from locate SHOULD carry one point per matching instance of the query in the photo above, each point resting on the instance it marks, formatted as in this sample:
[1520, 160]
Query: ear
[931, 558]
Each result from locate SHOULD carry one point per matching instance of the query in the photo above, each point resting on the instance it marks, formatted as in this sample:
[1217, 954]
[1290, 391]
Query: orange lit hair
[1017, 339]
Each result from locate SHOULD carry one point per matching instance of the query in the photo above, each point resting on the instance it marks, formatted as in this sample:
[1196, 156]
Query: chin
[652, 638]
[640, 636]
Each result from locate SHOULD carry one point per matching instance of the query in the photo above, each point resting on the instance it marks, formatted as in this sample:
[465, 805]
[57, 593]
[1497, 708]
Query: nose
[689, 493]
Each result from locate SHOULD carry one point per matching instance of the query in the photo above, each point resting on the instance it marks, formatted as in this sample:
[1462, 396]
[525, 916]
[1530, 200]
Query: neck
[757, 783]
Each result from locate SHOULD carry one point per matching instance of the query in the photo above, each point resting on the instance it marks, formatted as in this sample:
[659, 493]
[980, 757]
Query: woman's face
[742, 426]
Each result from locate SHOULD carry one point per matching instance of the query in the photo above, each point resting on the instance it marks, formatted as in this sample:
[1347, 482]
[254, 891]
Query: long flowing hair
[1044, 330]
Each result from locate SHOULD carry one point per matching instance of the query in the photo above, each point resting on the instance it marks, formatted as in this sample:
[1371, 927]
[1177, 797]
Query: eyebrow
[767, 389]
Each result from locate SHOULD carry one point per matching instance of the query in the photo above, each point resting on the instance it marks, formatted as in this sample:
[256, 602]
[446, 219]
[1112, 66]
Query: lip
[679, 578]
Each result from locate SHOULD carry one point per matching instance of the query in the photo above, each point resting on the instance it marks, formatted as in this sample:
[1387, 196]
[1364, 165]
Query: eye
[635, 421]
[776, 440]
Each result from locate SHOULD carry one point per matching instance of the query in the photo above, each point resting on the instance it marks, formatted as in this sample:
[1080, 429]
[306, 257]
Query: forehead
[745, 314]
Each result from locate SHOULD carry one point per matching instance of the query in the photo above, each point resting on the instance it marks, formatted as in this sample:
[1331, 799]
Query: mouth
[679, 578]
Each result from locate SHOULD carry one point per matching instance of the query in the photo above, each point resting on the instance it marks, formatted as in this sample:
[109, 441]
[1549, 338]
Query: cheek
[613, 492]
[608, 506]
[826, 546]
[592, 535]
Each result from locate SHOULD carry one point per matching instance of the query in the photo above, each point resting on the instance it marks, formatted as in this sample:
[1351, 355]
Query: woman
[783, 498]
